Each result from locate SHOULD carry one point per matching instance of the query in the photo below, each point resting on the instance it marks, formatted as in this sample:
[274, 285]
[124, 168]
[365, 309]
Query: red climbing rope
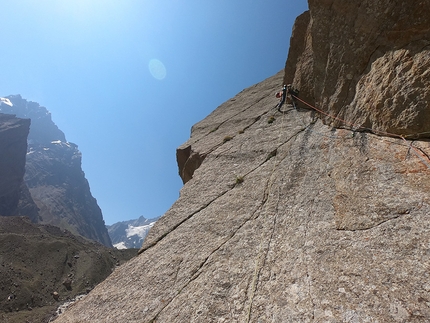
[423, 157]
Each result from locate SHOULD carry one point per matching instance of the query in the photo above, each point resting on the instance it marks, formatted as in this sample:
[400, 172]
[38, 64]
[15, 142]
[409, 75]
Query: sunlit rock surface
[365, 62]
[327, 225]
[284, 218]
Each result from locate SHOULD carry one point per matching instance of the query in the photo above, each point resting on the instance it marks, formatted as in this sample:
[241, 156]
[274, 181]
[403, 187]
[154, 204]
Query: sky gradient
[126, 79]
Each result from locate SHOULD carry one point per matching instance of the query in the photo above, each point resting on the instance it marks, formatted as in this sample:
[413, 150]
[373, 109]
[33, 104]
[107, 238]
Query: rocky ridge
[325, 224]
[41, 266]
[54, 176]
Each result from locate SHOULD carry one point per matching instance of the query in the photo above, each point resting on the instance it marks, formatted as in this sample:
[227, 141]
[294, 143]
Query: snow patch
[120, 245]
[6, 101]
[140, 231]
[59, 142]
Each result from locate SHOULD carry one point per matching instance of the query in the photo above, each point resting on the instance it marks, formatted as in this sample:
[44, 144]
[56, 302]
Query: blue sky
[126, 79]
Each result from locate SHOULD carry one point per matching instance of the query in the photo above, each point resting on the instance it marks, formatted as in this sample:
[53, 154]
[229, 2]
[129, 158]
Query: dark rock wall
[14, 197]
[61, 191]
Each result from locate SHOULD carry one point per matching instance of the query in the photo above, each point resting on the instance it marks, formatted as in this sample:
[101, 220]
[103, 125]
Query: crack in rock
[199, 270]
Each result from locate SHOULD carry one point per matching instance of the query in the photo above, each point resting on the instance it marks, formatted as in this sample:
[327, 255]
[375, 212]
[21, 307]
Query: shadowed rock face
[287, 219]
[188, 162]
[14, 196]
[366, 62]
[55, 178]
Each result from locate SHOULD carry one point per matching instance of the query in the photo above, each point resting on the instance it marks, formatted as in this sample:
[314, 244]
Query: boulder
[56, 296]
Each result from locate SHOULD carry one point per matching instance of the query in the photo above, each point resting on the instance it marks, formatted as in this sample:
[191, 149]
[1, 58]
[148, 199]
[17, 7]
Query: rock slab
[287, 221]
[284, 217]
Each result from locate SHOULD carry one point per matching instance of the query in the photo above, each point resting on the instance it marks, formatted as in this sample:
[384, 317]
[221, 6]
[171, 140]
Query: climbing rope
[423, 157]
[260, 258]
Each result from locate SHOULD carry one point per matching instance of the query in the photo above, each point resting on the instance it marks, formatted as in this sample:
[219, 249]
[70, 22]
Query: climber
[282, 94]
[287, 89]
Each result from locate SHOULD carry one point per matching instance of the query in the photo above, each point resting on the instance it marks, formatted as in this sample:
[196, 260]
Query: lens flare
[157, 69]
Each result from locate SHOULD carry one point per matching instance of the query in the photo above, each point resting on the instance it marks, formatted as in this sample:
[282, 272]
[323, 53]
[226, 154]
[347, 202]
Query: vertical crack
[196, 273]
[308, 275]
[264, 250]
[267, 189]
[267, 233]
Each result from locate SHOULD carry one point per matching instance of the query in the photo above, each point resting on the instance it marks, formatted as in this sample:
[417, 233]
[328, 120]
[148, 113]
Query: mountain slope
[42, 266]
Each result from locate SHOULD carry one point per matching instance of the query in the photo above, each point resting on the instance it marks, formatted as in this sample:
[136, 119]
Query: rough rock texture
[283, 218]
[366, 62]
[290, 221]
[42, 266]
[54, 175]
[14, 196]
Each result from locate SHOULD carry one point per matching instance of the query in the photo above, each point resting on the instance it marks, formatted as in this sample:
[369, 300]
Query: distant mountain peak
[42, 128]
[131, 233]
[54, 175]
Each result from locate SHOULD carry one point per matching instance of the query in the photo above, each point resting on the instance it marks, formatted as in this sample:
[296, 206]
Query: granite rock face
[285, 218]
[365, 62]
[288, 221]
[54, 176]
